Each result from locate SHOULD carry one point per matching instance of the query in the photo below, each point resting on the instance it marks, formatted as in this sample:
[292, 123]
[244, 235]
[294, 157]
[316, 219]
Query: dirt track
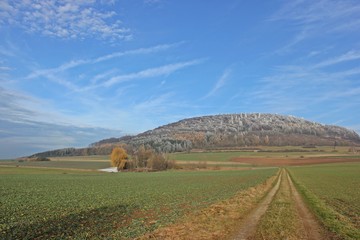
[264, 212]
[311, 229]
[251, 221]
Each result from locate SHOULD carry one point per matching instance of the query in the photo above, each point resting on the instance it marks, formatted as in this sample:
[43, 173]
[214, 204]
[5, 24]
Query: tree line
[142, 159]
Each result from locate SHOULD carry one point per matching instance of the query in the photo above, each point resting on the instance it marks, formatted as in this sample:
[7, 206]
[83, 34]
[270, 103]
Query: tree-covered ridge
[229, 131]
[232, 130]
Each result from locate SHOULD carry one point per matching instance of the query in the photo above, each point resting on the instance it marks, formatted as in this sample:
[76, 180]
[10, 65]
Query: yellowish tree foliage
[118, 158]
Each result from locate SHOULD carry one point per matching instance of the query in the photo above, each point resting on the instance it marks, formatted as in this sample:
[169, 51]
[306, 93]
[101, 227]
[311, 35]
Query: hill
[227, 131]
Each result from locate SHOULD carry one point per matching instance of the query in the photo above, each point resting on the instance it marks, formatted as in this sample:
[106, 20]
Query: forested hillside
[225, 131]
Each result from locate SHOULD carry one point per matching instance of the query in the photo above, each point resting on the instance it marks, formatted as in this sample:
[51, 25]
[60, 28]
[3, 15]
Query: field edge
[219, 220]
[336, 225]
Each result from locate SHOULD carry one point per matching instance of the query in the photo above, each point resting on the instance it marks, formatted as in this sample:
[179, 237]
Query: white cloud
[20, 107]
[5, 68]
[53, 74]
[220, 83]
[302, 88]
[317, 18]
[151, 2]
[25, 138]
[308, 11]
[80, 62]
[29, 125]
[138, 51]
[105, 75]
[152, 72]
[349, 56]
[64, 19]
[154, 104]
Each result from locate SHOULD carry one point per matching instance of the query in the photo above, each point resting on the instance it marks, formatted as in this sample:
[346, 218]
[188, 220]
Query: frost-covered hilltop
[224, 131]
[238, 130]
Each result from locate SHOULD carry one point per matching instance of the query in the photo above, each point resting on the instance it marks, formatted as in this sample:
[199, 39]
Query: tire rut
[313, 230]
[250, 223]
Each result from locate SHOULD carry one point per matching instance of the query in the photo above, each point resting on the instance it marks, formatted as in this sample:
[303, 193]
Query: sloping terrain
[238, 130]
[227, 131]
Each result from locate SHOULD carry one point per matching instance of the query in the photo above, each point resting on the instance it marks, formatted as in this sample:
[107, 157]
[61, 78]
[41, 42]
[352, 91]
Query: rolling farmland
[179, 120]
[65, 204]
[332, 191]
[66, 197]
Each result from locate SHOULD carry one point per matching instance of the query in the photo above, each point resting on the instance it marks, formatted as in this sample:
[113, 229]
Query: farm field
[324, 205]
[271, 156]
[72, 164]
[332, 191]
[281, 219]
[57, 199]
[50, 203]
[279, 214]
[268, 156]
[270, 152]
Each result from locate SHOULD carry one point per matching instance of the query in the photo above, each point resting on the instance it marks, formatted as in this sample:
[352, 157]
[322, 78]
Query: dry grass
[281, 220]
[219, 221]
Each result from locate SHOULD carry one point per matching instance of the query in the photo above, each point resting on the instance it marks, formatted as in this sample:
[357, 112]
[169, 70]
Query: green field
[50, 203]
[264, 152]
[332, 191]
[218, 159]
[58, 199]
[76, 164]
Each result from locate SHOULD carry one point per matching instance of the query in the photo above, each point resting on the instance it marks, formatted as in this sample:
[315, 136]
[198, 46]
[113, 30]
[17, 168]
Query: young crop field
[267, 156]
[264, 152]
[332, 191]
[50, 203]
[76, 164]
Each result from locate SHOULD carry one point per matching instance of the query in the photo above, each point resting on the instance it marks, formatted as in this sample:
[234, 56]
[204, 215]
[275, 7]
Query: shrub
[142, 157]
[157, 162]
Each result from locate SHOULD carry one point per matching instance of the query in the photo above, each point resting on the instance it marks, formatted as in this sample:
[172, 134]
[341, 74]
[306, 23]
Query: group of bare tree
[142, 159]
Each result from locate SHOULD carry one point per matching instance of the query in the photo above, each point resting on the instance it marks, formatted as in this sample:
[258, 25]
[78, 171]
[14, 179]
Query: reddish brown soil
[251, 221]
[313, 230]
[218, 221]
[292, 161]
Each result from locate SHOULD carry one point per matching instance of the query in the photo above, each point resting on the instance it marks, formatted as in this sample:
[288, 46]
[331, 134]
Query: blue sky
[74, 72]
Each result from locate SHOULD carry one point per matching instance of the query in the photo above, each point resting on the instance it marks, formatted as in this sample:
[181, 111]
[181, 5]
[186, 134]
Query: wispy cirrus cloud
[152, 72]
[21, 107]
[64, 19]
[52, 74]
[5, 68]
[26, 138]
[139, 51]
[29, 124]
[220, 83]
[157, 103]
[349, 56]
[322, 11]
[311, 18]
[152, 2]
[76, 63]
[300, 87]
